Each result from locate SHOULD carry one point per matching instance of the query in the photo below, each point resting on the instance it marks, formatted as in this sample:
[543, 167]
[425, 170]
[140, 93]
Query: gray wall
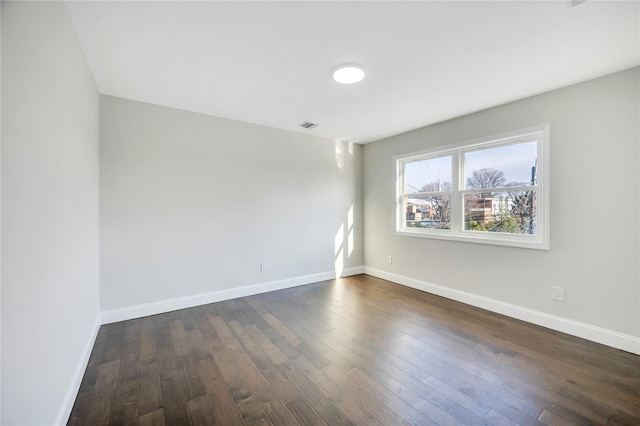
[50, 178]
[594, 208]
[192, 204]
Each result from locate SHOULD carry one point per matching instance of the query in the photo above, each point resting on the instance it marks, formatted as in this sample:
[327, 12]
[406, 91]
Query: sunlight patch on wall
[339, 242]
[339, 264]
[350, 228]
[339, 239]
[339, 151]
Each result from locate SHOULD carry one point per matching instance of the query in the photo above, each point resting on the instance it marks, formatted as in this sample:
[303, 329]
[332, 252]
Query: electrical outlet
[263, 267]
[389, 259]
[557, 293]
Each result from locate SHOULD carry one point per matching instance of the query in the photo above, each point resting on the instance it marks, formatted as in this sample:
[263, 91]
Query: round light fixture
[348, 74]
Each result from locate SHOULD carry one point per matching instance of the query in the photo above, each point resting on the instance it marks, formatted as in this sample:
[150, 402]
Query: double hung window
[491, 191]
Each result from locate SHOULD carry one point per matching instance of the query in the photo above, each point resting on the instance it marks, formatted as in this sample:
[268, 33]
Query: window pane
[430, 175]
[428, 211]
[507, 212]
[503, 166]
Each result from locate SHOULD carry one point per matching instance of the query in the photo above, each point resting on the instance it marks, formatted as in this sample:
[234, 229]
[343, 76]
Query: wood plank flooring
[357, 350]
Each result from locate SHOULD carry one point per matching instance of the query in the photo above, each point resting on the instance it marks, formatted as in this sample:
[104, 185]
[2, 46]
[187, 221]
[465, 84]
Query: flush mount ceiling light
[348, 74]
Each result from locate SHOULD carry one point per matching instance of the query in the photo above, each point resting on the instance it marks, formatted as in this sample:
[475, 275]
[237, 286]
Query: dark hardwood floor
[358, 350]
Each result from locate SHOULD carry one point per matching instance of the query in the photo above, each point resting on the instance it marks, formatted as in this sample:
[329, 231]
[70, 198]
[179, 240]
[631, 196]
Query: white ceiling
[270, 63]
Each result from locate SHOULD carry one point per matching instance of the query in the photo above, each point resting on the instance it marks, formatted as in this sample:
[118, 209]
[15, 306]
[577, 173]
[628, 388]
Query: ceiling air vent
[308, 125]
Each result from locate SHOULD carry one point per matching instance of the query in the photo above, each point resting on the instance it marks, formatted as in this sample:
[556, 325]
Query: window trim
[540, 241]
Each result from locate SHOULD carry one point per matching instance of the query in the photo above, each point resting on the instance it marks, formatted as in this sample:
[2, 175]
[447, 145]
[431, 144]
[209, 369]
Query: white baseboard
[72, 392]
[154, 308]
[586, 331]
[357, 270]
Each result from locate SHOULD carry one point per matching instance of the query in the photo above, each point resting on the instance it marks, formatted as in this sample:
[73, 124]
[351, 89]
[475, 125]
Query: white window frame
[539, 241]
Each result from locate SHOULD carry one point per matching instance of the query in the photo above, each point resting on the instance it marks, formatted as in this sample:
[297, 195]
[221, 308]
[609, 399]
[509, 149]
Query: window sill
[518, 241]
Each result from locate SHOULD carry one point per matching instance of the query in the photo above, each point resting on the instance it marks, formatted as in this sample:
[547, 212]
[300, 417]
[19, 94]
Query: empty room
[320, 213]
